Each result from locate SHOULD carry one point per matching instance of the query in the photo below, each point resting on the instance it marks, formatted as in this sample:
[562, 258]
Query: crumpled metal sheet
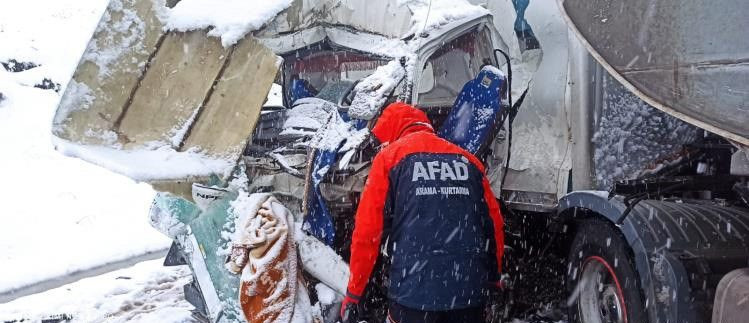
[378, 17]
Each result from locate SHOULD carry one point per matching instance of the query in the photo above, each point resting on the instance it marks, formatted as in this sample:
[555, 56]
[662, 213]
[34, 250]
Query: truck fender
[661, 236]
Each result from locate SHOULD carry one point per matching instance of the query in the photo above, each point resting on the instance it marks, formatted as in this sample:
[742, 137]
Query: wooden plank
[114, 61]
[232, 111]
[175, 86]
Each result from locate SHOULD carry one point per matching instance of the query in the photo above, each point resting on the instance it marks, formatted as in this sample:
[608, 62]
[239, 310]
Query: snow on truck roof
[285, 25]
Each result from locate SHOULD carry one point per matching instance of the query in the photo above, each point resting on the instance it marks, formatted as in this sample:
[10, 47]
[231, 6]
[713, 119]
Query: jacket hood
[399, 119]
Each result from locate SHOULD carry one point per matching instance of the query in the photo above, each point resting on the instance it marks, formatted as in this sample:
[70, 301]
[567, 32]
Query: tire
[602, 282]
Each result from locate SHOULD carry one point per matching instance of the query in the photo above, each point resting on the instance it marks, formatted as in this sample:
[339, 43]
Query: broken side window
[452, 66]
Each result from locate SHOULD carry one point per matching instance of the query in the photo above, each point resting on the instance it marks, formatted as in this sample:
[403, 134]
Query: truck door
[449, 68]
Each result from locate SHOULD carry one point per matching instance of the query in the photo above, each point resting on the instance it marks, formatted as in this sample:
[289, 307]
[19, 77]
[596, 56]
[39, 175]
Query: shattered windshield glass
[327, 73]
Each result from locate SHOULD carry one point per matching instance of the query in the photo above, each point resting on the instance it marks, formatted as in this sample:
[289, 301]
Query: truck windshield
[325, 73]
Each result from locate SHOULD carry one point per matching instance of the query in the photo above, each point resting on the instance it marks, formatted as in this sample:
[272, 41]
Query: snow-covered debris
[335, 132]
[308, 114]
[373, 91]
[294, 164]
[430, 14]
[15, 66]
[160, 163]
[229, 19]
[323, 263]
[321, 120]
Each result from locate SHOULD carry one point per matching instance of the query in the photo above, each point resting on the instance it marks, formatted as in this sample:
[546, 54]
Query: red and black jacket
[446, 232]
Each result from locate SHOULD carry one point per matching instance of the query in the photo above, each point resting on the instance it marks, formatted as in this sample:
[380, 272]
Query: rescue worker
[445, 229]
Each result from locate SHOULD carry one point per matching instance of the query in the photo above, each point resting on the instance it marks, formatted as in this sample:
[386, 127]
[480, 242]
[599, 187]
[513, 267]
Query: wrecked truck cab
[185, 113]
[320, 83]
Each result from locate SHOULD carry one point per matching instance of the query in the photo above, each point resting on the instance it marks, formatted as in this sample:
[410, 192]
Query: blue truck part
[473, 116]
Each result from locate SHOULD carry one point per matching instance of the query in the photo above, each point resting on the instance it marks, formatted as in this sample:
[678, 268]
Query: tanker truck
[614, 136]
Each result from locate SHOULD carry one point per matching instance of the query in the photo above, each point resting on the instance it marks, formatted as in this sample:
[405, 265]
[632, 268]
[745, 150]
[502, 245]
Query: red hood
[400, 119]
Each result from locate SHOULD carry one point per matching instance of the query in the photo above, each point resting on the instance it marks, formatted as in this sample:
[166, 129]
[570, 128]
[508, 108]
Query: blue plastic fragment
[475, 111]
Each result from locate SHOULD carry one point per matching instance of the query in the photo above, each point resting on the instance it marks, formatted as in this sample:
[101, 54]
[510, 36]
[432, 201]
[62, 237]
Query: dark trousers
[400, 314]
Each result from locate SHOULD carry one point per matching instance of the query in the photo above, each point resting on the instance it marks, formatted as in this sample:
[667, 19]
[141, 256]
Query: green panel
[181, 209]
[207, 229]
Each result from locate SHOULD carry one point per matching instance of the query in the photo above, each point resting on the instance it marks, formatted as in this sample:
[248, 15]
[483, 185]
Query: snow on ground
[147, 292]
[57, 214]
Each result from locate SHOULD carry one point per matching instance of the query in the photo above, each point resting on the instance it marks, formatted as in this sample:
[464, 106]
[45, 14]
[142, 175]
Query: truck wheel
[602, 280]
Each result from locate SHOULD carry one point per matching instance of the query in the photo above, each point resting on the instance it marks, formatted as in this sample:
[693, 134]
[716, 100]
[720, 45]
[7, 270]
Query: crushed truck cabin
[603, 175]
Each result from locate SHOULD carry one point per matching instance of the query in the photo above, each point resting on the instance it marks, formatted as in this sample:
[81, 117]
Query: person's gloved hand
[501, 284]
[350, 309]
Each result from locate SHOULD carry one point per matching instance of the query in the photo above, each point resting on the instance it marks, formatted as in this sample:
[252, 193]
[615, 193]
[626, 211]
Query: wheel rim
[601, 297]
